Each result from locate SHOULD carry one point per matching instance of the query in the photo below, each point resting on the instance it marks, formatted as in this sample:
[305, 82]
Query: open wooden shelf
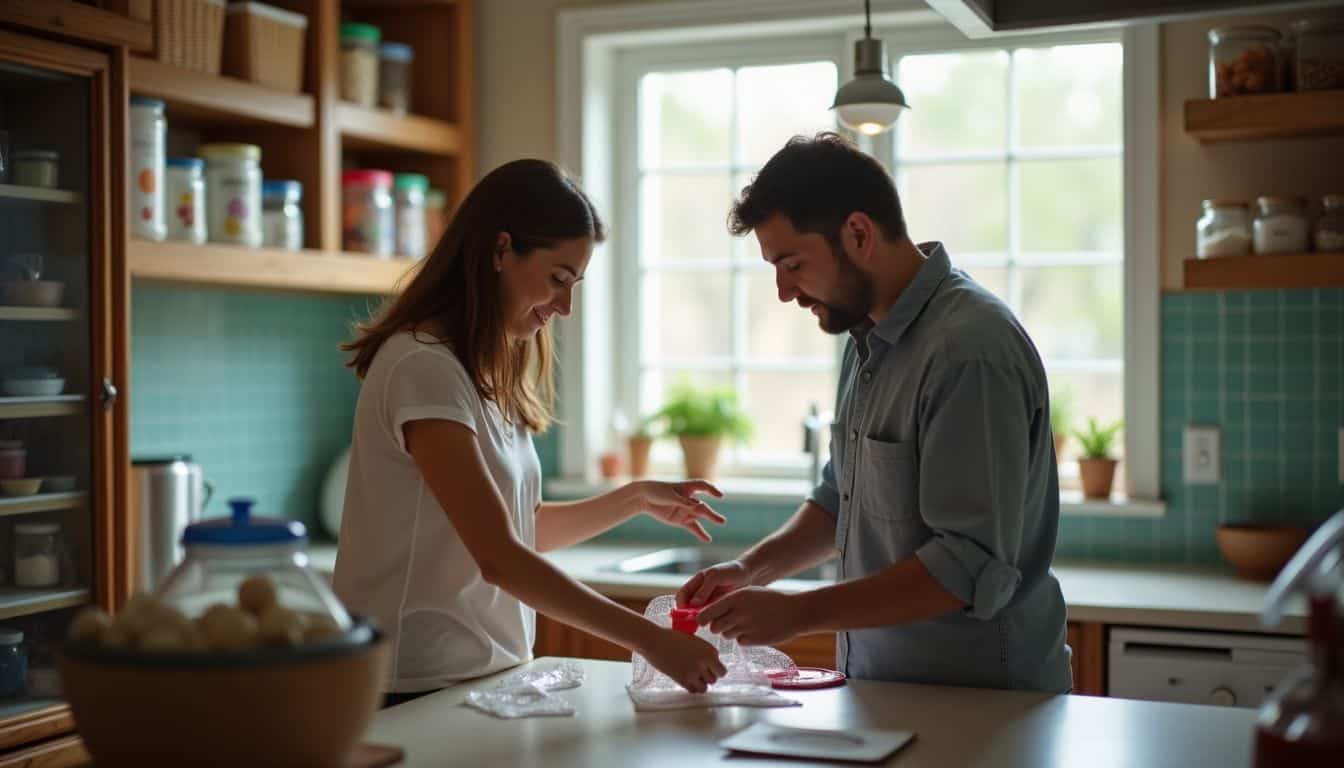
[35, 407]
[38, 313]
[1271, 116]
[1280, 270]
[38, 194]
[196, 98]
[265, 268]
[41, 502]
[15, 601]
[379, 129]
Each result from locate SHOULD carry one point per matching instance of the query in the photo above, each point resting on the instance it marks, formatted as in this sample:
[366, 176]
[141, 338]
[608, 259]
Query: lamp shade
[870, 103]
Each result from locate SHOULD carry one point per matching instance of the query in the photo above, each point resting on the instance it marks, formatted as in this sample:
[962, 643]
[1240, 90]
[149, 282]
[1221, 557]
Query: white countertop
[953, 726]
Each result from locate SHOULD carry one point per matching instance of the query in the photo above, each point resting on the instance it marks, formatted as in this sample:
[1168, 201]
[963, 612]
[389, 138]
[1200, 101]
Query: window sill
[786, 492]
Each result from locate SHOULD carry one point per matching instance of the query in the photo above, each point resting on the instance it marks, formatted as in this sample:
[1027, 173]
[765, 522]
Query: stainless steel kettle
[167, 494]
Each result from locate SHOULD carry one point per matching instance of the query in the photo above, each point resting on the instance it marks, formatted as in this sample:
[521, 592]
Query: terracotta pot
[1259, 552]
[610, 465]
[1098, 475]
[702, 456]
[1060, 439]
[640, 446]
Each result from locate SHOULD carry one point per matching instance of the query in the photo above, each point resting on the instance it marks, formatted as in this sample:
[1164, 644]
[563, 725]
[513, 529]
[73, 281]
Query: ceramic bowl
[58, 483]
[33, 387]
[21, 486]
[1259, 552]
[32, 293]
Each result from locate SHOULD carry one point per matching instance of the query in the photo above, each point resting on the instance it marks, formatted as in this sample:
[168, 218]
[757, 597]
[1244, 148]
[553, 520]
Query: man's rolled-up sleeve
[827, 494]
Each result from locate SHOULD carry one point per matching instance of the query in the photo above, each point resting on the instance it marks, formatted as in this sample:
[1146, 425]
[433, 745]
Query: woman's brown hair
[457, 289]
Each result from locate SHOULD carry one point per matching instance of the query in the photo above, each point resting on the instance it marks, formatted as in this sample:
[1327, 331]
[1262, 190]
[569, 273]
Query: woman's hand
[676, 504]
[691, 662]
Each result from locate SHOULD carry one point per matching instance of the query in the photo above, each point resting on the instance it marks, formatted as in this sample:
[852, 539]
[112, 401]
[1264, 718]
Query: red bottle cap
[684, 620]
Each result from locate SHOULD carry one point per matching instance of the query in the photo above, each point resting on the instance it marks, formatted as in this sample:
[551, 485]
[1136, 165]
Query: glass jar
[1329, 234]
[436, 217]
[1223, 230]
[1243, 60]
[233, 193]
[281, 216]
[409, 191]
[367, 215]
[1280, 225]
[184, 187]
[37, 555]
[359, 63]
[394, 76]
[1319, 54]
[36, 167]
[13, 459]
[13, 663]
[145, 181]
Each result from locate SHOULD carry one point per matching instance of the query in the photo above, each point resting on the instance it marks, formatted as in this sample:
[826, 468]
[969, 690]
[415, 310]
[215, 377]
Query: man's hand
[712, 583]
[755, 616]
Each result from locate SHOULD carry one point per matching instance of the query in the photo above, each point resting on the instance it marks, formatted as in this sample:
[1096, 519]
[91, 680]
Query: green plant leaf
[1096, 439]
[693, 412]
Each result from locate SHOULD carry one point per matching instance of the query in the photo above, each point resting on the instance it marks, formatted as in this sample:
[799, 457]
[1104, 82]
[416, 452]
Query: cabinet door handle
[109, 394]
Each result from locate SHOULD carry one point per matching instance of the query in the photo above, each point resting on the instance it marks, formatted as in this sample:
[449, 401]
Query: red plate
[805, 678]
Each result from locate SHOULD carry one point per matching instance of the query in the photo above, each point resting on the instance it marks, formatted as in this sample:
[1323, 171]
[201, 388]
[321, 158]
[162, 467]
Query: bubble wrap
[746, 683]
[527, 693]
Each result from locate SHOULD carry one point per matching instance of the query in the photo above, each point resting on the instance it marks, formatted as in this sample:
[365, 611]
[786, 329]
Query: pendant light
[870, 103]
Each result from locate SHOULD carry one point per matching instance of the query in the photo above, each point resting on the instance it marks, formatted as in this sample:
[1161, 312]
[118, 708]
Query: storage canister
[145, 196]
[1243, 60]
[184, 198]
[264, 44]
[13, 663]
[1280, 225]
[233, 193]
[435, 217]
[394, 76]
[409, 189]
[1330, 227]
[1319, 54]
[13, 459]
[1223, 230]
[367, 215]
[36, 167]
[281, 216]
[359, 63]
[37, 555]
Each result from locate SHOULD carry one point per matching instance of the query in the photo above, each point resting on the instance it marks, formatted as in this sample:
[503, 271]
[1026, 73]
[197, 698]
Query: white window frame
[590, 42]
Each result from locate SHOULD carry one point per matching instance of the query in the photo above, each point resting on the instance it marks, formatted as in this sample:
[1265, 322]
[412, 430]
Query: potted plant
[1096, 465]
[1061, 419]
[640, 443]
[700, 419]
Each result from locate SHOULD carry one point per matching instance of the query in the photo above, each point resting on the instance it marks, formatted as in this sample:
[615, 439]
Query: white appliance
[1232, 670]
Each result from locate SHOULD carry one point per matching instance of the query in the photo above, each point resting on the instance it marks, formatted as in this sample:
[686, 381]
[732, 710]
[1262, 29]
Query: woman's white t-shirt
[400, 559]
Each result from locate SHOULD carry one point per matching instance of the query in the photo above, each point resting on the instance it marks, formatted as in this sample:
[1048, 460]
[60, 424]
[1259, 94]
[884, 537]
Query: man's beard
[854, 296]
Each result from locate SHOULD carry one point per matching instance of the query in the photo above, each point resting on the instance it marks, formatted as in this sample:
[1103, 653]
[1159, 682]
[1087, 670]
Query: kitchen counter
[953, 726]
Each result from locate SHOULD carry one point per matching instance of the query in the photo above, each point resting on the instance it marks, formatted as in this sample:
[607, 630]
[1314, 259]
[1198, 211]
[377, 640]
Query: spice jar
[13, 663]
[233, 193]
[36, 167]
[281, 216]
[1319, 54]
[184, 186]
[37, 558]
[145, 196]
[436, 204]
[359, 63]
[394, 76]
[1280, 225]
[409, 193]
[1243, 60]
[1223, 230]
[13, 459]
[366, 212]
[1330, 227]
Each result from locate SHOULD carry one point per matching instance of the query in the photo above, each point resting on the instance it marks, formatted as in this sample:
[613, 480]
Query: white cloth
[400, 560]
[527, 693]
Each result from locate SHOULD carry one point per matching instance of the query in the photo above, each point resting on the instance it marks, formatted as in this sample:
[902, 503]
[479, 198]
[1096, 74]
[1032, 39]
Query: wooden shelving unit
[22, 602]
[56, 314]
[41, 502]
[1272, 116]
[198, 98]
[1286, 270]
[379, 129]
[37, 407]
[265, 268]
[38, 194]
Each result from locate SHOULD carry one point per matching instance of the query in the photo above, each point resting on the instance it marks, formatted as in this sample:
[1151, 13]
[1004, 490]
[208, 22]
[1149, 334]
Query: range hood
[987, 18]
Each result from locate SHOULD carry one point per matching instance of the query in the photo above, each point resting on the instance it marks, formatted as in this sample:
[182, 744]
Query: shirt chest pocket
[887, 480]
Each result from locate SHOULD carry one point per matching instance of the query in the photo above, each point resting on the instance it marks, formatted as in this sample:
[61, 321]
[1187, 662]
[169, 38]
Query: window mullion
[1011, 179]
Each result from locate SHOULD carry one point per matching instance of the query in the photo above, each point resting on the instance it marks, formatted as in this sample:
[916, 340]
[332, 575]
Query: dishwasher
[1223, 669]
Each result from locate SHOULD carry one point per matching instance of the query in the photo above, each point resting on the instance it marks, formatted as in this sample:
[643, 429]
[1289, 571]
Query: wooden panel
[379, 129]
[33, 726]
[65, 752]
[1271, 116]
[195, 98]
[812, 650]
[265, 268]
[1088, 641]
[1286, 270]
[63, 17]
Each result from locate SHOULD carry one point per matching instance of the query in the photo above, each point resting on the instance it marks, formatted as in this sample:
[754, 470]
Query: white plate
[33, 387]
[855, 745]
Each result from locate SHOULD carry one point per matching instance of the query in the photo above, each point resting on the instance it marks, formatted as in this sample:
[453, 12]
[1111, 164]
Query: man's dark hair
[816, 183]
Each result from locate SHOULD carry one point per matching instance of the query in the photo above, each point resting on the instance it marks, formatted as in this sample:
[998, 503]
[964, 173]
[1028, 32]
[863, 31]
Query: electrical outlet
[1202, 457]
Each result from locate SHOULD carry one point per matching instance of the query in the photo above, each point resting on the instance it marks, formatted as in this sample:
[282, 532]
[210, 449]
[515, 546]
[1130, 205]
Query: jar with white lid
[1280, 225]
[1319, 54]
[1223, 230]
[1244, 60]
[233, 193]
[184, 183]
[1330, 226]
[36, 168]
[146, 182]
[37, 555]
[281, 216]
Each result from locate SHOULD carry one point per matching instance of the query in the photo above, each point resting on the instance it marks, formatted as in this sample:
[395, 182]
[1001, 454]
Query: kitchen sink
[686, 561]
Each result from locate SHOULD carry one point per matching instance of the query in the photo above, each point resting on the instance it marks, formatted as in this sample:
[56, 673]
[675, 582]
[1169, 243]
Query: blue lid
[281, 188]
[242, 529]
[145, 101]
[185, 162]
[396, 51]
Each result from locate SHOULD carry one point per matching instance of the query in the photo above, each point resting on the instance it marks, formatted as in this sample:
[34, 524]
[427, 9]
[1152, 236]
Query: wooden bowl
[305, 706]
[1259, 552]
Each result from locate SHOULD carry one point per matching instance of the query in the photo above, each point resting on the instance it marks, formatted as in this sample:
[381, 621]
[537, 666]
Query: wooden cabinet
[1088, 641]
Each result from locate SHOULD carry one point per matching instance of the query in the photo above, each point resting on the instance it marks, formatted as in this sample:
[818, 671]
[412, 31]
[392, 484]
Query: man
[941, 496]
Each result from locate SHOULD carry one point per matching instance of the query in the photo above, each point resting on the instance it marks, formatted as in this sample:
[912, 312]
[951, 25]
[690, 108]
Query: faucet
[815, 425]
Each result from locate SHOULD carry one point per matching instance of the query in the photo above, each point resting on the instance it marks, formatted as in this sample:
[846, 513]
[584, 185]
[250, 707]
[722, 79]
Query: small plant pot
[610, 465]
[701, 455]
[640, 447]
[1097, 474]
[1061, 439]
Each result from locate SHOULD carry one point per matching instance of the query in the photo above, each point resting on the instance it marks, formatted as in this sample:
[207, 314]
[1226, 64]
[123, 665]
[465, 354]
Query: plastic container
[436, 217]
[1223, 230]
[394, 76]
[1319, 54]
[233, 193]
[264, 44]
[359, 63]
[685, 620]
[13, 663]
[36, 168]
[188, 33]
[145, 182]
[1329, 233]
[281, 216]
[13, 459]
[184, 199]
[37, 555]
[409, 193]
[1244, 60]
[367, 212]
[1280, 225]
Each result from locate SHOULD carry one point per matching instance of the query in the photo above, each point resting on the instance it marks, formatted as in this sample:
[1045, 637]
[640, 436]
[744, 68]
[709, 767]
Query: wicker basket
[264, 44]
[189, 33]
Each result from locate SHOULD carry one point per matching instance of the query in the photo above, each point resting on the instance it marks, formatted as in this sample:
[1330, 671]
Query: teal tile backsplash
[251, 385]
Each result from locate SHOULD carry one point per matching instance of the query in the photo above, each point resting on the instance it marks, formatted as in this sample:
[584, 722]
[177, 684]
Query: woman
[443, 515]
